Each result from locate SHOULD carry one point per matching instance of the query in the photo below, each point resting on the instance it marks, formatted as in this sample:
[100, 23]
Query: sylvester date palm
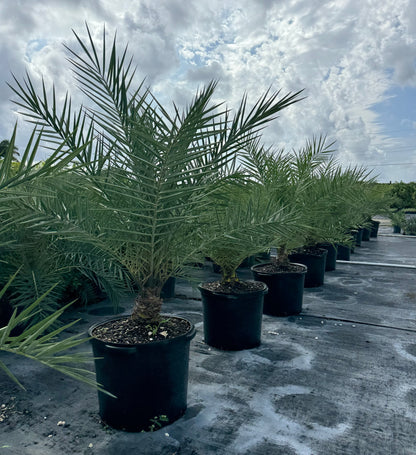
[147, 170]
[247, 219]
[37, 341]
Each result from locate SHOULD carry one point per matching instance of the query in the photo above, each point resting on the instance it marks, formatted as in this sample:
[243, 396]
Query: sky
[354, 59]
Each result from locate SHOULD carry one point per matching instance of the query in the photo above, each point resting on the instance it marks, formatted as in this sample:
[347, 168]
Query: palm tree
[141, 204]
[5, 146]
[37, 341]
[246, 218]
[273, 170]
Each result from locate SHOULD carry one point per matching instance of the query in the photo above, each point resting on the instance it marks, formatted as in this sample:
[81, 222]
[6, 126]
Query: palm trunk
[229, 276]
[147, 306]
[283, 256]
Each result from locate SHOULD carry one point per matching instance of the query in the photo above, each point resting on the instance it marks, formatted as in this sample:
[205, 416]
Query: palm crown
[146, 175]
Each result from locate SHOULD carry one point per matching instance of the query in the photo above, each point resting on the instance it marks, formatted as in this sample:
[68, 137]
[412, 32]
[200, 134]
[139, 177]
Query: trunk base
[147, 306]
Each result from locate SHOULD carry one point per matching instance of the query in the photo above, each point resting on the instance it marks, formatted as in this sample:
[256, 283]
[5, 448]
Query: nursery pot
[262, 257]
[168, 289]
[232, 322]
[285, 294]
[358, 236]
[374, 228]
[149, 380]
[344, 252]
[216, 268]
[366, 235]
[248, 261]
[316, 266]
[331, 257]
[396, 229]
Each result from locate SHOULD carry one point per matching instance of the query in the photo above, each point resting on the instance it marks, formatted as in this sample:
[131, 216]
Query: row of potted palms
[151, 191]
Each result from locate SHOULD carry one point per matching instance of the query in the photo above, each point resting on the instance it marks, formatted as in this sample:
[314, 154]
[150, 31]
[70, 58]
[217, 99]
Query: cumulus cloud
[347, 55]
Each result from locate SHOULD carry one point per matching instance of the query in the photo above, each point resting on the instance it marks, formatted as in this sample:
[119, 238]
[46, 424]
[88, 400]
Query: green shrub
[404, 195]
[398, 218]
[409, 227]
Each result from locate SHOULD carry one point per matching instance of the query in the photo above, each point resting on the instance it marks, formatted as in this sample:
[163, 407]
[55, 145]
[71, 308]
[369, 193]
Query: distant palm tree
[4, 145]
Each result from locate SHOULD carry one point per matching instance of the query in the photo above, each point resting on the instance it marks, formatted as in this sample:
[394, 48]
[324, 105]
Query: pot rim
[300, 272]
[189, 334]
[258, 291]
[324, 251]
[323, 245]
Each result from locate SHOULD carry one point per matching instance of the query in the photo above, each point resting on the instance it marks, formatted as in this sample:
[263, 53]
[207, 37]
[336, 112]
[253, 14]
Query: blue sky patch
[397, 114]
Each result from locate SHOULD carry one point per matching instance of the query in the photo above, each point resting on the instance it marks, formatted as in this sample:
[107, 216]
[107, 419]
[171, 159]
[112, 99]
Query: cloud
[347, 55]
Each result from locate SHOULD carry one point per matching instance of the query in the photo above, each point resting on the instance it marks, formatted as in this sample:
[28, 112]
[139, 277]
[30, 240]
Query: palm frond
[34, 344]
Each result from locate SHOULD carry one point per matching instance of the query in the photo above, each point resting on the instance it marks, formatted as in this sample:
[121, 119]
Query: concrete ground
[340, 378]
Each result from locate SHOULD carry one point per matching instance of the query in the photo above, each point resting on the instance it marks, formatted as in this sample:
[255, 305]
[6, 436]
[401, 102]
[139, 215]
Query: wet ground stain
[309, 409]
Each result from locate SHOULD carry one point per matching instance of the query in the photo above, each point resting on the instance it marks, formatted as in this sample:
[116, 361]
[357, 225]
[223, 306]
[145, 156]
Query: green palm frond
[32, 221]
[247, 220]
[36, 343]
[28, 168]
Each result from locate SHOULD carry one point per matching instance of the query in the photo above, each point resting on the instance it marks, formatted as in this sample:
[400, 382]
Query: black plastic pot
[331, 257]
[149, 380]
[358, 236]
[216, 268]
[168, 289]
[374, 228]
[396, 229]
[285, 296]
[232, 322]
[248, 262]
[316, 266]
[262, 257]
[344, 252]
[366, 235]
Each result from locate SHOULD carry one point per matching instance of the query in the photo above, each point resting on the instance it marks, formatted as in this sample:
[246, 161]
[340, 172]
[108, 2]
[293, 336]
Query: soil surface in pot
[312, 250]
[279, 268]
[236, 287]
[126, 331]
